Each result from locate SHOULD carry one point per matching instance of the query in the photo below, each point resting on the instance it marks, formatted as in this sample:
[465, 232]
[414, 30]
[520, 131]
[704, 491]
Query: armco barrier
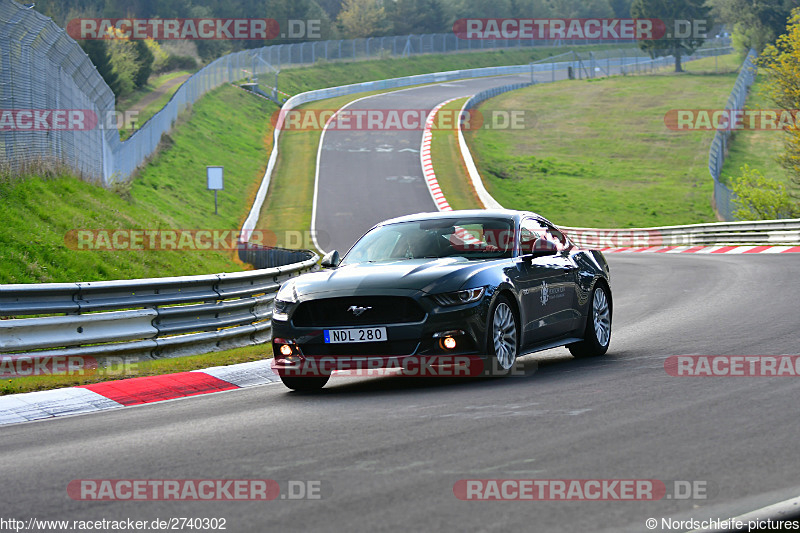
[761, 232]
[143, 318]
[269, 256]
[764, 232]
[421, 79]
[723, 199]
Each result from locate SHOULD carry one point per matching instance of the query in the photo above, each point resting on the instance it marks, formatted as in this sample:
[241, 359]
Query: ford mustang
[472, 290]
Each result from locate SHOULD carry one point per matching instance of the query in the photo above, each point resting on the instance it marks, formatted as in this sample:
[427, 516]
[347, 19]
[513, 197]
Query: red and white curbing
[663, 240]
[717, 249]
[30, 406]
[641, 240]
[427, 164]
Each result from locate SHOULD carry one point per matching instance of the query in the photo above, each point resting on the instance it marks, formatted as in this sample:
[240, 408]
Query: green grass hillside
[758, 148]
[227, 127]
[599, 153]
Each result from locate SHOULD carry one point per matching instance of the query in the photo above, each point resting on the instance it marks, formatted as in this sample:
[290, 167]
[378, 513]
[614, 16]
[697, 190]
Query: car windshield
[470, 238]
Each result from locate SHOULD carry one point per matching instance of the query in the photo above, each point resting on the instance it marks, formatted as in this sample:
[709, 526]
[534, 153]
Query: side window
[529, 231]
[555, 235]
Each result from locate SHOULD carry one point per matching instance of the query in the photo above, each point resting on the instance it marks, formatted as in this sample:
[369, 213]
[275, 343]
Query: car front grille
[332, 312]
[361, 349]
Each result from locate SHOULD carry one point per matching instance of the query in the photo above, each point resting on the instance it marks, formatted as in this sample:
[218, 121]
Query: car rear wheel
[502, 343]
[305, 383]
[597, 335]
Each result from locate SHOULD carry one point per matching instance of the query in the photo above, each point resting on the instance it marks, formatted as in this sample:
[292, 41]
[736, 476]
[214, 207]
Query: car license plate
[334, 336]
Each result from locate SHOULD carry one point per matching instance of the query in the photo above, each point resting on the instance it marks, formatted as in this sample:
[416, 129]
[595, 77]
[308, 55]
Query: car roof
[477, 213]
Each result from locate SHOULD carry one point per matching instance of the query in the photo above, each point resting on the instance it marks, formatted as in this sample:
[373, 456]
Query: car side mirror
[542, 247]
[330, 260]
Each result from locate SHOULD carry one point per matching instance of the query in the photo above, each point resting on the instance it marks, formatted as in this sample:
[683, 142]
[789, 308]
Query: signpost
[215, 182]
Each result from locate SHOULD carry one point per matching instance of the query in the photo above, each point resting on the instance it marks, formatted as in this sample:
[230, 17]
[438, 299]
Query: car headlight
[286, 295]
[465, 296]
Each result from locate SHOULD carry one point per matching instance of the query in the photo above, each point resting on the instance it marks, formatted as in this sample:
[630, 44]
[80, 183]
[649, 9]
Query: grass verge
[287, 208]
[600, 154]
[130, 100]
[451, 173]
[169, 193]
[135, 370]
[295, 80]
[155, 104]
[759, 149]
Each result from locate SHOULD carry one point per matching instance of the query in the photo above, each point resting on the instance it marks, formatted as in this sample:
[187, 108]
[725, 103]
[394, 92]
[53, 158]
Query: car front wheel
[597, 335]
[503, 340]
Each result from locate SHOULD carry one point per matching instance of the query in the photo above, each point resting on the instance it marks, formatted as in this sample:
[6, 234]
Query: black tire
[597, 334]
[502, 338]
[305, 383]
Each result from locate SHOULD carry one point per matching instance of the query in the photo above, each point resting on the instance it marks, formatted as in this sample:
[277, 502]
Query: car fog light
[286, 350]
[449, 343]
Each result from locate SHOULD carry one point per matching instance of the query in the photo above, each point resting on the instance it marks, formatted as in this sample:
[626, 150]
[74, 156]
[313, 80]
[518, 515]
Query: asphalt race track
[368, 176]
[389, 450]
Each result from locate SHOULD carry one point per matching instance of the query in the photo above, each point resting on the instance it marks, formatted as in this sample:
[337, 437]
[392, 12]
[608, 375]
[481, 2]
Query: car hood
[426, 275]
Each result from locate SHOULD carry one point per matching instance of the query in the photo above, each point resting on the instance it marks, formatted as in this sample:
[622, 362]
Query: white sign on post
[215, 182]
[214, 178]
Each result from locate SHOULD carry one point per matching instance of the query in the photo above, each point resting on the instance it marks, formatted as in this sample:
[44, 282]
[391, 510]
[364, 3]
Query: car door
[545, 287]
[569, 316]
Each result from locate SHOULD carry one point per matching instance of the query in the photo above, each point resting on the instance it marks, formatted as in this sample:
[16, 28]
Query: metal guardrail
[332, 92]
[630, 60]
[41, 67]
[143, 318]
[625, 64]
[760, 232]
[269, 256]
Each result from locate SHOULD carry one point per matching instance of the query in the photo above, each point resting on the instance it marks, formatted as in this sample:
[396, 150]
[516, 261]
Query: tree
[363, 18]
[145, 59]
[124, 61]
[755, 23]
[160, 57]
[781, 64]
[621, 8]
[416, 16]
[762, 198]
[584, 9]
[669, 11]
[101, 58]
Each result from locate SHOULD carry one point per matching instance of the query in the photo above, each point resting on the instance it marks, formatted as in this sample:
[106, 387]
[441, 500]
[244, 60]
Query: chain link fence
[42, 68]
[724, 198]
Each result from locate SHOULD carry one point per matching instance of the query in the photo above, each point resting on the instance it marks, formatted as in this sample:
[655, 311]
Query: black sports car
[473, 289]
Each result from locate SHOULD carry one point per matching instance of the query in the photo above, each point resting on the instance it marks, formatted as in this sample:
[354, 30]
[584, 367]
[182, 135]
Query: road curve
[364, 177]
[367, 176]
[390, 449]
